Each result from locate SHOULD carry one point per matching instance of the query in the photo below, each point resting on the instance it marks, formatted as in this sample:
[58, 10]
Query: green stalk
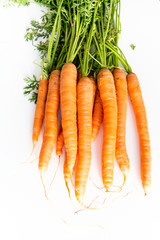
[85, 60]
[53, 35]
[115, 50]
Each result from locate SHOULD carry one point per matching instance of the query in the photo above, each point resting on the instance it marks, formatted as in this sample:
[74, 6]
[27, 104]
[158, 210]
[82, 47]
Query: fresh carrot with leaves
[85, 99]
[104, 57]
[121, 93]
[137, 102]
[51, 117]
[68, 79]
[49, 55]
[97, 118]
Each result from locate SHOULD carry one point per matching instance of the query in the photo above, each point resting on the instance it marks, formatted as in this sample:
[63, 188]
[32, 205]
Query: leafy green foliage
[31, 89]
[132, 46]
[85, 32]
[19, 2]
[40, 31]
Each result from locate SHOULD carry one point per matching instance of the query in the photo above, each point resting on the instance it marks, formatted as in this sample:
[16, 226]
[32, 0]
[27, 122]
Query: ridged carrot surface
[59, 143]
[40, 110]
[142, 125]
[68, 84]
[51, 117]
[108, 95]
[66, 172]
[97, 117]
[121, 93]
[85, 104]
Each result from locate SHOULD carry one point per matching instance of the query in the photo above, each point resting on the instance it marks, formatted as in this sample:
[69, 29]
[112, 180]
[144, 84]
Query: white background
[24, 211]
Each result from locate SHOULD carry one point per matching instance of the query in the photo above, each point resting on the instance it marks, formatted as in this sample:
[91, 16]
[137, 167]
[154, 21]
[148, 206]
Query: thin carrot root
[34, 144]
[55, 173]
[87, 207]
[124, 180]
[68, 190]
[44, 187]
[31, 151]
[95, 184]
[30, 161]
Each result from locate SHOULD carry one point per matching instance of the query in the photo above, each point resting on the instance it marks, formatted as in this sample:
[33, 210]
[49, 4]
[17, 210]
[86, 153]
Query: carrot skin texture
[67, 175]
[85, 103]
[60, 143]
[137, 102]
[40, 110]
[97, 118]
[68, 84]
[51, 118]
[121, 93]
[108, 96]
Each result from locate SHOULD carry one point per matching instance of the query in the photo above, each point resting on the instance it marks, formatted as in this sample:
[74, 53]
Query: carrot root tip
[44, 187]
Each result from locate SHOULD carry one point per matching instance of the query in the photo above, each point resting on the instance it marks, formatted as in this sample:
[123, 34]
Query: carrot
[51, 117]
[66, 170]
[60, 143]
[85, 103]
[67, 176]
[135, 95]
[108, 96]
[97, 118]
[121, 92]
[68, 83]
[40, 110]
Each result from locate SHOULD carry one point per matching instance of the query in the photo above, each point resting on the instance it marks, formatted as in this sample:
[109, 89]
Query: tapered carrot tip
[146, 189]
[124, 180]
[55, 172]
[68, 190]
[44, 187]
[34, 144]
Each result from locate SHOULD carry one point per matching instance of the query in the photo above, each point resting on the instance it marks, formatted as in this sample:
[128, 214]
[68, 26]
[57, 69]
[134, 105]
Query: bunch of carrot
[81, 75]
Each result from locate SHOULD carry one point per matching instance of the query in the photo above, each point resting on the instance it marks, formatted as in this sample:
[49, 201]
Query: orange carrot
[40, 110]
[97, 118]
[108, 96]
[121, 92]
[68, 83]
[142, 125]
[60, 143]
[66, 172]
[51, 117]
[85, 103]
